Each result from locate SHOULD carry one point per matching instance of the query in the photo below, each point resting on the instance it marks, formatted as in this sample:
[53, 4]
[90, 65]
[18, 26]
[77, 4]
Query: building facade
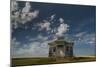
[60, 48]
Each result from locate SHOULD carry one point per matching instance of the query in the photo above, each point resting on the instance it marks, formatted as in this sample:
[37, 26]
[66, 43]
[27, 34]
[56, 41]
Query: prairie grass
[47, 60]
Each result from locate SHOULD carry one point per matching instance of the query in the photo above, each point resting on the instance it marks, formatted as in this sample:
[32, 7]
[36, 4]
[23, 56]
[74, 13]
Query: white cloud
[80, 34]
[39, 38]
[25, 17]
[34, 14]
[86, 39]
[14, 45]
[38, 48]
[44, 25]
[62, 29]
[33, 49]
[14, 5]
[90, 39]
[22, 16]
[27, 8]
[61, 20]
[52, 17]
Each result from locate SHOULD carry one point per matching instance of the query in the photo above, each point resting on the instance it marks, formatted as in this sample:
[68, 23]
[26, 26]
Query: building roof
[59, 42]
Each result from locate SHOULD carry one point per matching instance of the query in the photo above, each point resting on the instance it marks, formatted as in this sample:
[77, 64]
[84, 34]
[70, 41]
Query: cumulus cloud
[32, 49]
[58, 31]
[27, 8]
[61, 20]
[14, 45]
[22, 16]
[85, 38]
[39, 38]
[37, 46]
[62, 28]
[90, 39]
[25, 17]
[44, 25]
[14, 5]
[36, 49]
[52, 17]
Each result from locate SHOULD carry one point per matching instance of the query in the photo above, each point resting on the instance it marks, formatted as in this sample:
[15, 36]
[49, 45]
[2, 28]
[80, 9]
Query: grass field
[46, 60]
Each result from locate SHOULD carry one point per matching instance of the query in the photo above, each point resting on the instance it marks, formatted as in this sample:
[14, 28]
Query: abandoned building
[60, 48]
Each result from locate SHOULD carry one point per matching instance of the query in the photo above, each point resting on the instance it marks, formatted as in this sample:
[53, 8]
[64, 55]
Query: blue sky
[35, 24]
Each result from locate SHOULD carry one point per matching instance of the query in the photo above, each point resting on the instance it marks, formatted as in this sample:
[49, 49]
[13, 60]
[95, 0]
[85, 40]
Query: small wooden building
[60, 48]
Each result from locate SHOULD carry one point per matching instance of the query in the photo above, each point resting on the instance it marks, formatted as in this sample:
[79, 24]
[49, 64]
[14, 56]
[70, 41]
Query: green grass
[46, 60]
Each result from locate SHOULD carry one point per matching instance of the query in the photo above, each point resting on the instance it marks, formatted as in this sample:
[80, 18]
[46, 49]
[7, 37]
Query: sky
[34, 25]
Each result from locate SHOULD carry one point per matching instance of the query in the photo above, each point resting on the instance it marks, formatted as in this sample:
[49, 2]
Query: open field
[46, 60]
